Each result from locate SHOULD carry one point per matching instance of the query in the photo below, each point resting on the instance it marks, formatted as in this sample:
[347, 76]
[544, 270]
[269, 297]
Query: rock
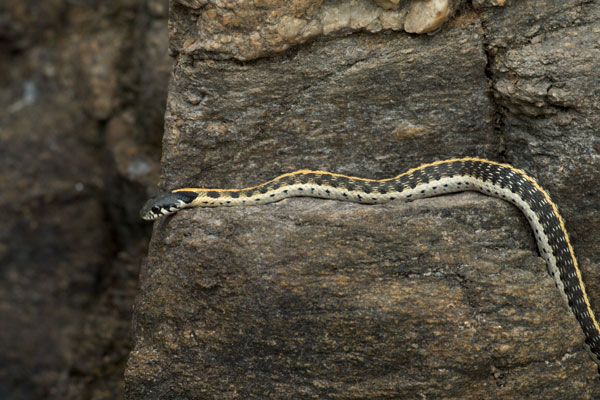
[313, 110]
[388, 4]
[488, 3]
[193, 4]
[78, 154]
[426, 16]
[545, 68]
[314, 299]
[311, 298]
[241, 30]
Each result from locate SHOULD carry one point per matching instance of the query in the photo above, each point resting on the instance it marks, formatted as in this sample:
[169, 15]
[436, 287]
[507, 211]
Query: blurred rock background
[83, 88]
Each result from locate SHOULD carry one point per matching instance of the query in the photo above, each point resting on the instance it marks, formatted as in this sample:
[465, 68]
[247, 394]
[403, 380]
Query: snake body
[454, 175]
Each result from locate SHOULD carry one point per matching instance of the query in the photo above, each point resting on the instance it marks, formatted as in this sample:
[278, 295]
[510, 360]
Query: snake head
[166, 203]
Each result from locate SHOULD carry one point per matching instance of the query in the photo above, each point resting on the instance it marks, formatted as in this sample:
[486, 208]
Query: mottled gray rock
[444, 298]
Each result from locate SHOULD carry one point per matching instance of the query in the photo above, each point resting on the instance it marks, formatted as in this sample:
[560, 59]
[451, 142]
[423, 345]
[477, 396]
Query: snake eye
[156, 210]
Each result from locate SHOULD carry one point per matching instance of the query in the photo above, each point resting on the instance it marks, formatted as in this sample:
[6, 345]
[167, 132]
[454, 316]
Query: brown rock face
[443, 298]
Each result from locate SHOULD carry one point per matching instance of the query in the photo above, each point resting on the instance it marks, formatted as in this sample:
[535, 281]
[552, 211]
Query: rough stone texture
[246, 30]
[443, 298]
[81, 111]
[388, 4]
[318, 299]
[426, 16]
[545, 64]
[357, 104]
[488, 3]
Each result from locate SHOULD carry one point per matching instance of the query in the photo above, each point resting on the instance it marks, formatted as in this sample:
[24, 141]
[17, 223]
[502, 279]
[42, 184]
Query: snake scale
[448, 176]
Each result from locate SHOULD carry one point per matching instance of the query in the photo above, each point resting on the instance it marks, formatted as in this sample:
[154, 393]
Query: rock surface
[320, 299]
[246, 30]
[312, 108]
[545, 68]
[444, 298]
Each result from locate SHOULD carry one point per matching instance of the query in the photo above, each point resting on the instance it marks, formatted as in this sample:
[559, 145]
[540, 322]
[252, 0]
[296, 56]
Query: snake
[491, 178]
